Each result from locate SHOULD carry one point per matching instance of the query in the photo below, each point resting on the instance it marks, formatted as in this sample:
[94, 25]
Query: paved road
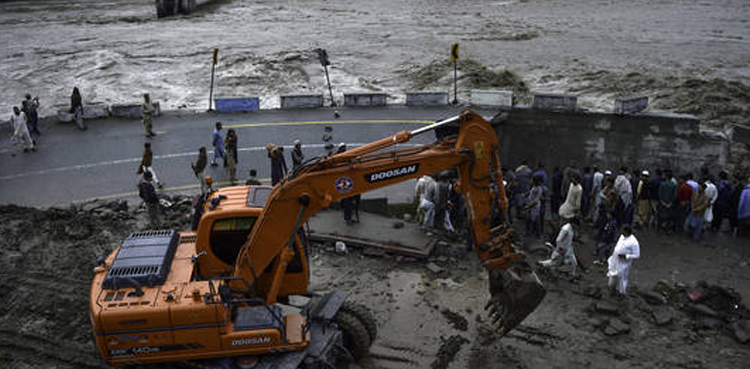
[101, 162]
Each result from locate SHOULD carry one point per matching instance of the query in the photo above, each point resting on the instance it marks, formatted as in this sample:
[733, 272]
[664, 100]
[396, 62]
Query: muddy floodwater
[688, 55]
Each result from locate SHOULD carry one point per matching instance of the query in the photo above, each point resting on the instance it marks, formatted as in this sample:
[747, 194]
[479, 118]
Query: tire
[355, 337]
[364, 315]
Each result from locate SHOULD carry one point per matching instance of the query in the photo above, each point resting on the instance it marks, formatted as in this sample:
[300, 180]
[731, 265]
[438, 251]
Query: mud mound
[448, 351]
[471, 74]
[716, 101]
[46, 262]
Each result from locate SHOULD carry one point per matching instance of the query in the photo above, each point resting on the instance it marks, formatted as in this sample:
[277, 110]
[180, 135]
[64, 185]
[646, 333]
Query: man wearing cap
[643, 195]
[148, 194]
[620, 262]
[297, 156]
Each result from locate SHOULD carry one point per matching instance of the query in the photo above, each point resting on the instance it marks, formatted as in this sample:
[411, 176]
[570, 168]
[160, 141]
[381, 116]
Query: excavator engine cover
[143, 260]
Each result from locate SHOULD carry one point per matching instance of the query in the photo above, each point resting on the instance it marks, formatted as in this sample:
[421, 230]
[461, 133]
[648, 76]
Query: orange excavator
[222, 291]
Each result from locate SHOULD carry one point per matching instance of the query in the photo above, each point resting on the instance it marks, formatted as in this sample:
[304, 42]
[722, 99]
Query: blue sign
[237, 104]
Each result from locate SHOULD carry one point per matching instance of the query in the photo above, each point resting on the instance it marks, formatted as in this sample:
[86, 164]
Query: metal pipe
[435, 125]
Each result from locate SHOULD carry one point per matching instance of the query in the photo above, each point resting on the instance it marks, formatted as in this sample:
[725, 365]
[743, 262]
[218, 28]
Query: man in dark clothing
[542, 173]
[557, 180]
[667, 203]
[30, 107]
[252, 181]
[605, 239]
[587, 183]
[199, 166]
[723, 201]
[278, 164]
[147, 192]
[297, 156]
[442, 195]
[76, 108]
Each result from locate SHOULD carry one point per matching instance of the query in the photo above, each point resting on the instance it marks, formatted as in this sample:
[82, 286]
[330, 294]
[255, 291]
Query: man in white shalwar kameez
[425, 191]
[713, 193]
[563, 255]
[620, 262]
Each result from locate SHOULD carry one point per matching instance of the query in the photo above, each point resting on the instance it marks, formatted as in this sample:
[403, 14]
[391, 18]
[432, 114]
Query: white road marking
[166, 156]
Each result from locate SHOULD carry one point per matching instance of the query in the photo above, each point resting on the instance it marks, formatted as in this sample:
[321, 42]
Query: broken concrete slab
[701, 309]
[653, 298]
[373, 231]
[607, 307]
[741, 330]
[434, 268]
[662, 316]
[616, 327]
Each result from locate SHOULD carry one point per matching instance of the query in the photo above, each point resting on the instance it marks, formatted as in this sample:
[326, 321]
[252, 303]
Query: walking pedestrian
[199, 166]
[231, 155]
[698, 205]
[252, 180]
[297, 156]
[563, 255]
[620, 262]
[278, 164]
[147, 193]
[147, 164]
[30, 107]
[217, 141]
[21, 130]
[76, 108]
[147, 112]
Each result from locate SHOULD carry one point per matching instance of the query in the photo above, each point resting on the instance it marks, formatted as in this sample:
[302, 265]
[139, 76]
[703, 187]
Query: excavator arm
[473, 150]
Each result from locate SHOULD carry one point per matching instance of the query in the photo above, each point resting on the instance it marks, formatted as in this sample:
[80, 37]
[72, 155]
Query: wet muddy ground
[688, 55]
[428, 316]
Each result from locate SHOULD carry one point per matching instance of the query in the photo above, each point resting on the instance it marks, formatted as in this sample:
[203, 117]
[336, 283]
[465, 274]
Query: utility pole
[323, 56]
[213, 70]
[454, 59]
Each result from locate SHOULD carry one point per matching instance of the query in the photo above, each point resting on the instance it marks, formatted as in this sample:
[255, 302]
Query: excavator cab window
[228, 235]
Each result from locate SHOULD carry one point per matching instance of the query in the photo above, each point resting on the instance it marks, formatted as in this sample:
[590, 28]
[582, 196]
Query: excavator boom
[473, 149]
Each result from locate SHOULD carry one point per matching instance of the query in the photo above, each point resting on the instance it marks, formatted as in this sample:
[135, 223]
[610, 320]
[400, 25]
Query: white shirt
[624, 189]
[627, 246]
[572, 203]
[19, 124]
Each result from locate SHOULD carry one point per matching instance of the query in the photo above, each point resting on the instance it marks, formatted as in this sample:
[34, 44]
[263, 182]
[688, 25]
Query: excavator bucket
[515, 293]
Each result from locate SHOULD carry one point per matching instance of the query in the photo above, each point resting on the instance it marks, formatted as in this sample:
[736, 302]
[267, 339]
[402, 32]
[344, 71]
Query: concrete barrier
[236, 104]
[365, 99]
[166, 8]
[95, 111]
[64, 116]
[301, 101]
[426, 98]
[132, 111]
[631, 105]
[491, 98]
[555, 102]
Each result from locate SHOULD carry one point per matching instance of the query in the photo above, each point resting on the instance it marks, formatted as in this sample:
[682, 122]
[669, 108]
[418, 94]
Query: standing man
[743, 209]
[723, 200]
[76, 107]
[667, 203]
[523, 182]
[625, 191]
[541, 173]
[278, 164]
[643, 194]
[571, 208]
[533, 207]
[597, 181]
[146, 163]
[698, 206]
[218, 143]
[557, 179]
[231, 155]
[713, 193]
[297, 156]
[21, 130]
[30, 107]
[148, 194]
[620, 262]
[425, 206]
[199, 166]
[587, 183]
[147, 111]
